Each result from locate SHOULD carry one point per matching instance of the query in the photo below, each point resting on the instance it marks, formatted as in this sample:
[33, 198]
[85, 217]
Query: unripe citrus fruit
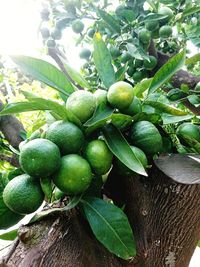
[115, 52]
[23, 194]
[125, 57]
[137, 76]
[138, 63]
[134, 108]
[165, 31]
[74, 175]
[82, 104]
[152, 25]
[101, 96]
[124, 170]
[120, 95]
[91, 33]
[66, 135]
[146, 136]
[151, 63]
[190, 130]
[40, 158]
[99, 156]
[144, 36]
[77, 26]
[166, 11]
[85, 53]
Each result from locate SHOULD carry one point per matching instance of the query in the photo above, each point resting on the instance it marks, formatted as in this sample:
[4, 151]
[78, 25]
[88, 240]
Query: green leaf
[141, 87]
[170, 119]
[137, 52]
[167, 71]
[166, 108]
[110, 226]
[74, 74]
[120, 74]
[190, 11]
[99, 119]
[44, 213]
[154, 17]
[121, 121]
[198, 244]
[110, 21]
[46, 185]
[102, 60]
[143, 116]
[9, 235]
[44, 72]
[121, 149]
[192, 60]
[192, 142]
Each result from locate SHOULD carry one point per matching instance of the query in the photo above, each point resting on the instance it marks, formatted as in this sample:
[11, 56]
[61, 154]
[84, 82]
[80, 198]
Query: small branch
[195, 110]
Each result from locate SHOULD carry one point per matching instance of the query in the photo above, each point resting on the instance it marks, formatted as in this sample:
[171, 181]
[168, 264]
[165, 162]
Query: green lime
[138, 63]
[175, 94]
[40, 158]
[144, 36]
[190, 130]
[51, 43]
[85, 53]
[77, 26]
[125, 57]
[150, 63]
[101, 96]
[152, 25]
[23, 194]
[146, 136]
[166, 11]
[134, 108]
[130, 71]
[137, 76]
[56, 34]
[120, 95]
[99, 156]
[115, 52]
[91, 32]
[45, 33]
[82, 104]
[140, 155]
[165, 31]
[66, 135]
[74, 176]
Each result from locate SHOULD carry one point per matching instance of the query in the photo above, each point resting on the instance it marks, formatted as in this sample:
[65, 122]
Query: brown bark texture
[164, 215]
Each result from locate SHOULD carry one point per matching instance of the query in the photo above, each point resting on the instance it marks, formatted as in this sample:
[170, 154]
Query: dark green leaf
[110, 20]
[9, 235]
[121, 149]
[102, 60]
[121, 121]
[44, 72]
[166, 108]
[193, 60]
[153, 117]
[110, 226]
[137, 52]
[190, 11]
[167, 71]
[141, 87]
[120, 74]
[192, 143]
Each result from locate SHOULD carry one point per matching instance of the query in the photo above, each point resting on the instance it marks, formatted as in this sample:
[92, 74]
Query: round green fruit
[175, 94]
[85, 53]
[120, 95]
[99, 156]
[56, 34]
[66, 135]
[134, 108]
[152, 25]
[101, 96]
[151, 63]
[165, 31]
[144, 36]
[146, 136]
[125, 57]
[166, 11]
[115, 52]
[74, 175]
[77, 26]
[40, 158]
[82, 104]
[51, 43]
[189, 130]
[91, 32]
[23, 194]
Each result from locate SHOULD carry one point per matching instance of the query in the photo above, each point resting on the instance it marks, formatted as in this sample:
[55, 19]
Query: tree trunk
[164, 215]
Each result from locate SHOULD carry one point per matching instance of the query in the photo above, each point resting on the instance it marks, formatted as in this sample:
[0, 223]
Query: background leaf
[167, 71]
[9, 235]
[102, 60]
[166, 108]
[110, 226]
[121, 149]
[110, 21]
[44, 72]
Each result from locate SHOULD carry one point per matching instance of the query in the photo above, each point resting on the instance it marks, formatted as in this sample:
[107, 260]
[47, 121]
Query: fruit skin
[77, 26]
[144, 36]
[124, 170]
[85, 53]
[101, 96]
[149, 65]
[66, 135]
[82, 104]
[23, 194]
[45, 33]
[146, 136]
[40, 158]
[138, 63]
[74, 175]
[190, 130]
[56, 34]
[137, 76]
[165, 31]
[175, 94]
[166, 11]
[152, 25]
[134, 108]
[120, 95]
[130, 71]
[99, 156]
[91, 32]
[125, 57]
[51, 43]
[115, 52]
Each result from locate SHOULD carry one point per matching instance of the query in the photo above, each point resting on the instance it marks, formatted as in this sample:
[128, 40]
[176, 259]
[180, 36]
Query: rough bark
[164, 215]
